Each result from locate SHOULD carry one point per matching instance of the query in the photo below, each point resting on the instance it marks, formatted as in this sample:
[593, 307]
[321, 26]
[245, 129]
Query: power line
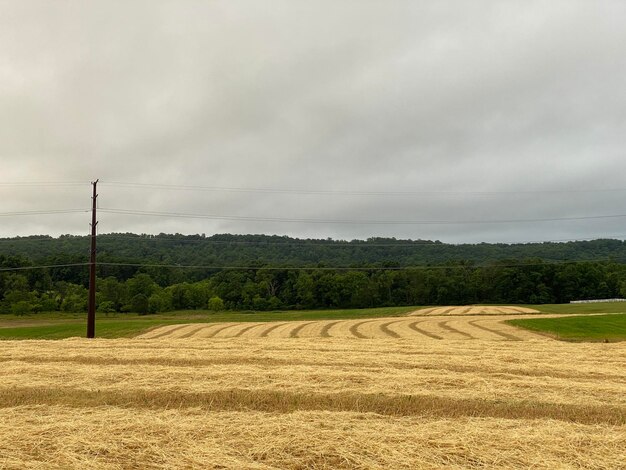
[54, 211]
[313, 243]
[354, 222]
[26, 268]
[41, 239]
[350, 268]
[358, 244]
[347, 192]
[314, 268]
[44, 183]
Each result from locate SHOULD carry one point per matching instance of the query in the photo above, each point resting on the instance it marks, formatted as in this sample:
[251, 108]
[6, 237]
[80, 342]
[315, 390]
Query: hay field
[474, 310]
[428, 328]
[322, 403]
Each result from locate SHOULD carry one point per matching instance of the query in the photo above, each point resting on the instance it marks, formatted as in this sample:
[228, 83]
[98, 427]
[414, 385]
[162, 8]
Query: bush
[139, 304]
[75, 303]
[274, 303]
[49, 305]
[216, 304]
[21, 308]
[106, 307]
[160, 302]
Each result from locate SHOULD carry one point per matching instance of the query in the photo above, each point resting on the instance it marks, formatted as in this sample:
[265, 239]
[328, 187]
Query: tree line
[151, 290]
[272, 250]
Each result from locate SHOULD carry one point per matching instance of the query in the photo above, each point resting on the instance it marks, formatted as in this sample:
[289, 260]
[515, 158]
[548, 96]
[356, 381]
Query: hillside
[263, 250]
[141, 273]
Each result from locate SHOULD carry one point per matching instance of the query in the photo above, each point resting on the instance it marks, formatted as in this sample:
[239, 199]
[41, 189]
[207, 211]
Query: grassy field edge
[583, 328]
[60, 325]
[129, 325]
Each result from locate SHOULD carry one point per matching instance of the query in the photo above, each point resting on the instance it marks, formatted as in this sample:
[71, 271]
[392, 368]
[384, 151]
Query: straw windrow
[320, 403]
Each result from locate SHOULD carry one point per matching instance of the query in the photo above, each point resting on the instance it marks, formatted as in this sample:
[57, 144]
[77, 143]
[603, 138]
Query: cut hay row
[485, 331]
[549, 359]
[430, 328]
[68, 437]
[474, 310]
[453, 332]
[271, 402]
[279, 401]
[417, 327]
[546, 372]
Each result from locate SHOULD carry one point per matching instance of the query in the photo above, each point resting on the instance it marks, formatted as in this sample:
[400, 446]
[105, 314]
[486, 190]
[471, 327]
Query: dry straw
[311, 403]
[418, 326]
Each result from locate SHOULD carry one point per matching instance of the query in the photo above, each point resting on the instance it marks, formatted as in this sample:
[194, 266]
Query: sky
[449, 120]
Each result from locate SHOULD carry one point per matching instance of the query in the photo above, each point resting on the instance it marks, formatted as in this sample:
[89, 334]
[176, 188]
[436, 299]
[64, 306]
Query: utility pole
[91, 309]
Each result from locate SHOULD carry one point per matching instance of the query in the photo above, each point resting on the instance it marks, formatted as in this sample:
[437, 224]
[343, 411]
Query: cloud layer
[450, 98]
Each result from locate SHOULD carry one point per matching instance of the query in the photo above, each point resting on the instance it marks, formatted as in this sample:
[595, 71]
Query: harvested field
[269, 402]
[474, 310]
[420, 329]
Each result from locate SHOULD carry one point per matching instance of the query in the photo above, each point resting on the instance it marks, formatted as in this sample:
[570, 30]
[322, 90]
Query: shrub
[216, 304]
[21, 308]
[106, 307]
[160, 302]
[139, 304]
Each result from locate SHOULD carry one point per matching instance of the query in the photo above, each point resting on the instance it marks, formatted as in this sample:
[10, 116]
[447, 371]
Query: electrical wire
[358, 243]
[42, 212]
[346, 192]
[353, 244]
[351, 268]
[44, 183]
[312, 268]
[353, 222]
[106, 237]
[42, 239]
[343, 244]
[26, 268]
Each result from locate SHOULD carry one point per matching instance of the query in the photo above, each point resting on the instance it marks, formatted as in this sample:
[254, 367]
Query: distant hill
[142, 273]
[259, 250]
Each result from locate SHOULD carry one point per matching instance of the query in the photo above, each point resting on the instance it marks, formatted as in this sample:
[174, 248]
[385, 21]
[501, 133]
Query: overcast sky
[401, 111]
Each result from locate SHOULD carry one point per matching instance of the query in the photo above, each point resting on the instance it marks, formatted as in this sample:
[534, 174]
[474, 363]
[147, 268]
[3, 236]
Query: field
[428, 328]
[60, 325]
[578, 328]
[312, 403]
[474, 310]
[438, 323]
[389, 390]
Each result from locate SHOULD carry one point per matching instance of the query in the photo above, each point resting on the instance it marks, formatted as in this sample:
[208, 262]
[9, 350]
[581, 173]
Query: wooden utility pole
[91, 309]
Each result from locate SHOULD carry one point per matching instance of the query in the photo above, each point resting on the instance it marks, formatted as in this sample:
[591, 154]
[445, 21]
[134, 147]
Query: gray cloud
[352, 95]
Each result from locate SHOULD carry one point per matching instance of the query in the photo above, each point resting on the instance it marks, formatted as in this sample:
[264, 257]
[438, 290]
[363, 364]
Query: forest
[149, 274]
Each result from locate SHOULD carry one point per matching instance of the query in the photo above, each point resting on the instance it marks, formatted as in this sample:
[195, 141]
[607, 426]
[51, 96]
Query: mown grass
[580, 309]
[104, 329]
[57, 325]
[282, 401]
[238, 403]
[578, 328]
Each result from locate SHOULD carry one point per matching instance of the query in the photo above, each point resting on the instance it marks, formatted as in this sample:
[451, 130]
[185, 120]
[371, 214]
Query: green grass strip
[127, 325]
[578, 328]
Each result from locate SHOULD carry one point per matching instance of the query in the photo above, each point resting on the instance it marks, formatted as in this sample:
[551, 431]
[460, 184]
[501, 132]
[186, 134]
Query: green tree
[141, 284]
[106, 307]
[216, 304]
[305, 290]
[114, 291]
[21, 307]
[160, 301]
[140, 304]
